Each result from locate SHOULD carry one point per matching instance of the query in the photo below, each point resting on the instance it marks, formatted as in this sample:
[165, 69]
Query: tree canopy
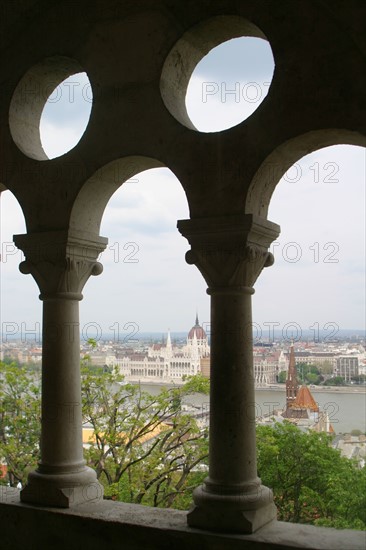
[20, 415]
[146, 449]
[151, 449]
[311, 481]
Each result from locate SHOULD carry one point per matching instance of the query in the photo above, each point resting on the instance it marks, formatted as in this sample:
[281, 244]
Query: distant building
[301, 407]
[318, 358]
[352, 447]
[346, 366]
[169, 363]
[282, 362]
[265, 370]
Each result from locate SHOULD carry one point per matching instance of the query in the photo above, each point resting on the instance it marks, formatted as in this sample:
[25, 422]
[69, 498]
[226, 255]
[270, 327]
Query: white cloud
[322, 201]
[66, 115]
[324, 213]
[57, 141]
[229, 83]
[217, 105]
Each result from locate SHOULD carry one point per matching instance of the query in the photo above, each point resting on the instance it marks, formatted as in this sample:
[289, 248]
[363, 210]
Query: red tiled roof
[305, 400]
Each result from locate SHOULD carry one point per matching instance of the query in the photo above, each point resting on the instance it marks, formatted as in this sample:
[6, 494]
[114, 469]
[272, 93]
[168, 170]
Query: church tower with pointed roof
[301, 406]
[305, 400]
[291, 382]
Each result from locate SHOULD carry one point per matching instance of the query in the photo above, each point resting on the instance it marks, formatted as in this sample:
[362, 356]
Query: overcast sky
[319, 275]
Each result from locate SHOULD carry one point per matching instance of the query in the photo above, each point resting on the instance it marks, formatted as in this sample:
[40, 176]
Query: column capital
[229, 251]
[61, 262]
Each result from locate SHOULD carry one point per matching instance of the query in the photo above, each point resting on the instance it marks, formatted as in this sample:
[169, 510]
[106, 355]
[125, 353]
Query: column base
[62, 490]
[239, 513]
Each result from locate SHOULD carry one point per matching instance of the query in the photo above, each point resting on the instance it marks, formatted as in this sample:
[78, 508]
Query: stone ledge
[116, 525]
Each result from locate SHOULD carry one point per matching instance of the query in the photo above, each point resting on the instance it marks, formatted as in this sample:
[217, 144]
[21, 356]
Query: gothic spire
[291, 382]
[168, 341]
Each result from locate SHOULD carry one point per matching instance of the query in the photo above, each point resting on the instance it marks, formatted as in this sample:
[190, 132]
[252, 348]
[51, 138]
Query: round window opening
[50, 108]
[229, 83]
[217, 74]
[65, 115]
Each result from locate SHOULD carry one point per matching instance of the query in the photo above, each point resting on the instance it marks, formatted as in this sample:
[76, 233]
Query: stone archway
[284, 156]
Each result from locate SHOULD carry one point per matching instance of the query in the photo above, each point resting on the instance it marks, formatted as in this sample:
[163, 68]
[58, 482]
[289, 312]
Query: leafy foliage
[20, 413]
[308, 374]
[146, 448]
[196, 384]
[335, 381]
[311, 482]
[282, 376]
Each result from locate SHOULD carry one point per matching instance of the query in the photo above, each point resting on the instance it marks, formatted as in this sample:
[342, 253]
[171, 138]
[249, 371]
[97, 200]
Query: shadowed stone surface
[138, 57]
[115, 525]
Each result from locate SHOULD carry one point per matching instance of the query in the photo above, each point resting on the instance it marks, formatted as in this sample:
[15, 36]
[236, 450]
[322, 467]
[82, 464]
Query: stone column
[231, 252]
[61, 263]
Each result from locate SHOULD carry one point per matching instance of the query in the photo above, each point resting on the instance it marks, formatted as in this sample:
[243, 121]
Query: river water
[346, 409]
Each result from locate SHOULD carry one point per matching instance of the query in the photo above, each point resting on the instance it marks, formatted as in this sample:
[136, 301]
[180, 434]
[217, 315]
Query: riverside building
[168, 362]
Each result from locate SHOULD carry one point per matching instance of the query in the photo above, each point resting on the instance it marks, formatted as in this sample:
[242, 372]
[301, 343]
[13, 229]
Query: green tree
[326, 367]
[359, 379]
[308, 374]
[196, 384]
[311, 482]
[145, 449]
[335, 381]
[19, 422]
[282, 377]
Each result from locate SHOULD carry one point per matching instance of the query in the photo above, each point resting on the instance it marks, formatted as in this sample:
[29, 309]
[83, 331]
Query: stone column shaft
[61, 390]
[61, 262]
[232, 458]
[231, 252]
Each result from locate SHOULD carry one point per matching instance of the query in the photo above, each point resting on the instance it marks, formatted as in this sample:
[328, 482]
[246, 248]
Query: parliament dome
[198, 331]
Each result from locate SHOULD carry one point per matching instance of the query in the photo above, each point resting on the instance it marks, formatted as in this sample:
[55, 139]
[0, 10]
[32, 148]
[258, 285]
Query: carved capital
[231, 251]
[61, 262]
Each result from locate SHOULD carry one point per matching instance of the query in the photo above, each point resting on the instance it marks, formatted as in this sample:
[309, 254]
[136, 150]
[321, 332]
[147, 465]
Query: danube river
[346, 409]
[346, 406]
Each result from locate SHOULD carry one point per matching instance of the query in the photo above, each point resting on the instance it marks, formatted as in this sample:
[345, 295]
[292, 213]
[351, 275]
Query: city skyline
[146, 281]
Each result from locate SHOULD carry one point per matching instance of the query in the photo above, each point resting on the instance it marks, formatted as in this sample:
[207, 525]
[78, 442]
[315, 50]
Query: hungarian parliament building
[167, 362]
[170, 363]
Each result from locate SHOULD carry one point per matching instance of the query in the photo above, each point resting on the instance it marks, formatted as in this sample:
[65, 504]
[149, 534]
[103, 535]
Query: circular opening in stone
[217, 74]
[229, 83]
[50, 108]
[65, 115]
